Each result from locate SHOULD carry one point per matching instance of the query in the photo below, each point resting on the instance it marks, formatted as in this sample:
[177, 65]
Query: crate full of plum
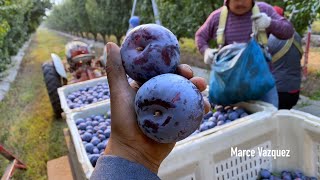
[225, 116]
[90, 130]
[76, 96]
[282, 145]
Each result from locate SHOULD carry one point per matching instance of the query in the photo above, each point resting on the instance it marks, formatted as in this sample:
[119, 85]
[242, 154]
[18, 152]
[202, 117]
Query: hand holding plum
[127, 140]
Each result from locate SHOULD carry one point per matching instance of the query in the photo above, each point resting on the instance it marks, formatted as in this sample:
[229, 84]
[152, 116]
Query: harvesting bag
[240, 72]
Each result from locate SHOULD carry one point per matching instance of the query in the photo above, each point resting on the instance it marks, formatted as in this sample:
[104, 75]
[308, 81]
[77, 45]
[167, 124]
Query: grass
[316, 27]
[28, 126]
[315, 95]
[188, 45]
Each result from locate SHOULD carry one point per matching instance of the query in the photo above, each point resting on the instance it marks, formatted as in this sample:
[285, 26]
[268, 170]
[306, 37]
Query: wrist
[117, 148]
[203, 49]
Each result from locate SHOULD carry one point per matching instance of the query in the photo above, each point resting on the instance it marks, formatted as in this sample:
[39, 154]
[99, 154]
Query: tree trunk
[118, 39]
[95, 36]
[104, 38]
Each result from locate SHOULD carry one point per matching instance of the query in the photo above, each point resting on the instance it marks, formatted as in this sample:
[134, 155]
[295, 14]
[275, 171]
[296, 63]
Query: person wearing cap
[239, 27]
[79, 58]
[134, 21]
[286, 57]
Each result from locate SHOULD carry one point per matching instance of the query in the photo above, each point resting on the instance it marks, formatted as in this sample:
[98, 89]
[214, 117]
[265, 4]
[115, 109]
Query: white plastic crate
[259, 109]
[208, 157]
[97, 109]
[66, 90]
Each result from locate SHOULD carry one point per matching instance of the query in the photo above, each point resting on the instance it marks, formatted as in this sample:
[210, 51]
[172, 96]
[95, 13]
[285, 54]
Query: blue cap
[134, 21]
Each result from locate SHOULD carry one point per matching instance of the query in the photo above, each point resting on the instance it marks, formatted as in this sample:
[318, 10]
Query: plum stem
[157, 113]
[139, 48]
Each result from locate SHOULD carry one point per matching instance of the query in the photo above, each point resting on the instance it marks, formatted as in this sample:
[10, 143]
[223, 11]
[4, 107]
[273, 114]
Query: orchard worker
[286, 57]
[130, 154]
[239, 27]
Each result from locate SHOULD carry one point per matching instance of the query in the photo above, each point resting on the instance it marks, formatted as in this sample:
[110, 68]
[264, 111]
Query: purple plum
[208, 115]
[89, 147]
[107, 133]
[95, 141]
[95, 123]
[220, 123]
[264, 173]
[287, 177]
[233, 115]
[102, 145]
[82, 126]
[95, 151]
[93, 159]
[150, 50]
[211, 124]
[86, 137]
[218, 108]
[213, 119]
[169, 116]
[221, 118]
[80, 120]
[203, 127]
[89, 127]
[228, 121]
[217, 114]
[243, 115]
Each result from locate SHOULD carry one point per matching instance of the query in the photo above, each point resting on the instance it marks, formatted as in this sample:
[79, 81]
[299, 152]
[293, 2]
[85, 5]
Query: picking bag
[240, 72]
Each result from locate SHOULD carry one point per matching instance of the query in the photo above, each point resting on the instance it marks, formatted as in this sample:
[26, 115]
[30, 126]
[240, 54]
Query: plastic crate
[259, 109]
[66, 90]
[97, 109]
[208, 156]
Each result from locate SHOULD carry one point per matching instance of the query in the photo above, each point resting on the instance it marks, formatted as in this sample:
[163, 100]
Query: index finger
[185, 70]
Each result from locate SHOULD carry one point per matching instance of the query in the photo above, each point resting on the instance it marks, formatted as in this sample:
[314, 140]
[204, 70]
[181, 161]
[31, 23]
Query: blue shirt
[116, 168]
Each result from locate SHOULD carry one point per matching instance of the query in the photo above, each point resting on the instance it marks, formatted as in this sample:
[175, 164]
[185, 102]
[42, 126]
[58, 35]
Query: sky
[57, 1]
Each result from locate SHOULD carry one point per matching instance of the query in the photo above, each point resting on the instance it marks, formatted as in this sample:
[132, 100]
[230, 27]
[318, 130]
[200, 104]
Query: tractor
[81, 65]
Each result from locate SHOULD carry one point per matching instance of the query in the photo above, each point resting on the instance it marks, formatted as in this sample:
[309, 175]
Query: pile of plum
[88, 95]
[219, 116]
[94, 131]
[284, 175]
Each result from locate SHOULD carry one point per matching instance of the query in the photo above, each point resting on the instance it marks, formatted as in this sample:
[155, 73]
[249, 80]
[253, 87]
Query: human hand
[261, 20]
[127, 140]
[209, 55]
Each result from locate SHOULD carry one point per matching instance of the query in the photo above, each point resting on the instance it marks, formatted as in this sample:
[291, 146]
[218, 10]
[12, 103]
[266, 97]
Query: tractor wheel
[53, 81]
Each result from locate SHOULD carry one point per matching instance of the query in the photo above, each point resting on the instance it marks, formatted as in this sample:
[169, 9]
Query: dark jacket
[287, 70]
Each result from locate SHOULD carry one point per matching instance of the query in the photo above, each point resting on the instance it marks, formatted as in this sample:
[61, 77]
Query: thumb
[116, 74]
